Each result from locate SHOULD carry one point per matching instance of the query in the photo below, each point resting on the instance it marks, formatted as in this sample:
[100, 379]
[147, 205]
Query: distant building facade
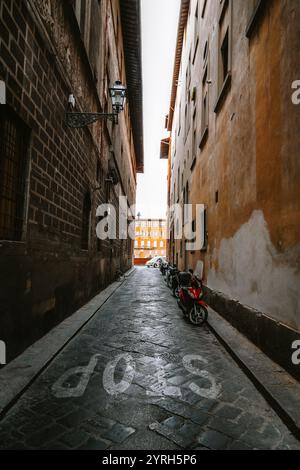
[235, 147]
[150, 239]
[52, 178]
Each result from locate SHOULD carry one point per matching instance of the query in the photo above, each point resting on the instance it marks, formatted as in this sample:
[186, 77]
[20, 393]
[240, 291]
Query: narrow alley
[139, 376]
[149, 230]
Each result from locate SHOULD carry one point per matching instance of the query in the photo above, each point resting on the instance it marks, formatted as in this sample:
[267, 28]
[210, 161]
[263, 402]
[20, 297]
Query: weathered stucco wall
[251, 158]
[251, 269]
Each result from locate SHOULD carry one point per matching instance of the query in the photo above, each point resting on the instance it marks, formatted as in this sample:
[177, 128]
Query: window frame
[223, 88]
[205, 95]
[18, 233]
[196, 31]
[203, 8]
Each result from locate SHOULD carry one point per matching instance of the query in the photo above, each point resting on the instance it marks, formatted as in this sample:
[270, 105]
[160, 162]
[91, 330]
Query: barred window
[14, 139]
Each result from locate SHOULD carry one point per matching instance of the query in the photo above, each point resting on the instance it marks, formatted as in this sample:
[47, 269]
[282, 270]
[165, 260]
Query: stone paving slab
[274, 382]
[139, 376]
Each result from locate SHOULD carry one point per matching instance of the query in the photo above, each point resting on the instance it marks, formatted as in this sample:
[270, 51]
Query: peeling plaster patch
[254, 272]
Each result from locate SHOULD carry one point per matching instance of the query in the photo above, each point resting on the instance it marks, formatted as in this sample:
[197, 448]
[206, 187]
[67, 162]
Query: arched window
[86, 221]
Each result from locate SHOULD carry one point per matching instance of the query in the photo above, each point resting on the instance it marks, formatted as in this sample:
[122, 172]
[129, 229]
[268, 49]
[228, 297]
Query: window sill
[223, 93]
[203, 138]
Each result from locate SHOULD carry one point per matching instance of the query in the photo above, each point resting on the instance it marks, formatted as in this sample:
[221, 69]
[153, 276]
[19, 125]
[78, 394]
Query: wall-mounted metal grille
[14, 138]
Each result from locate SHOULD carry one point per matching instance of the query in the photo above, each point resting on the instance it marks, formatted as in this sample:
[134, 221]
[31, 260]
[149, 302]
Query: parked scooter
[163, 267]
[175, 284]
[190, 299]
[167, 273]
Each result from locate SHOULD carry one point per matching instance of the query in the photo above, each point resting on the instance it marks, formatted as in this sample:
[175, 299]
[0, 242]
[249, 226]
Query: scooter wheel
[198, 315]
[176, 292]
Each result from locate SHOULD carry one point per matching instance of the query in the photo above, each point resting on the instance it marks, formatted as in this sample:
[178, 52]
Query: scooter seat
[185, 279]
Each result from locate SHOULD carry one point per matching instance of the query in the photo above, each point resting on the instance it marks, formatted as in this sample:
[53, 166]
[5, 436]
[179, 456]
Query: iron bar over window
[14, 138]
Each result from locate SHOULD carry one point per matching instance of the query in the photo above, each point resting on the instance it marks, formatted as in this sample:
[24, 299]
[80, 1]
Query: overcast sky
[159, 32]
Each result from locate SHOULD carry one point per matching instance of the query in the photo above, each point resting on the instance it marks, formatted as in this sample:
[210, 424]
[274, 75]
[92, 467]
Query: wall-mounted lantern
[117, 94]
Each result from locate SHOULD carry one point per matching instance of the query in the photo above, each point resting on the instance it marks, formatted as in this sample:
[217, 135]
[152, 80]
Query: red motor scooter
[191, 298]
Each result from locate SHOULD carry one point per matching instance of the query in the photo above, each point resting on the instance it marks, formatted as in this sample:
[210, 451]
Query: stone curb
[279, 388]
[20, 373]
[272, 337]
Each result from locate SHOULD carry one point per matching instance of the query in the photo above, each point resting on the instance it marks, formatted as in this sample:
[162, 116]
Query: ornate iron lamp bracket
[78, 120]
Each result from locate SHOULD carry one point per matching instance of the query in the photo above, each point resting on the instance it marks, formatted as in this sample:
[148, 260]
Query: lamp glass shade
[118, 95]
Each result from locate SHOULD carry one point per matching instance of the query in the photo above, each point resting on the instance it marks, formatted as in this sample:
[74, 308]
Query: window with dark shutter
[164, 148]
[225, 56]
[204, 110]
[225, 51]
[196, 32]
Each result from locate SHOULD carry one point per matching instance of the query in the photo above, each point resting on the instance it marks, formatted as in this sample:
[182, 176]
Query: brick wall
[46, 275]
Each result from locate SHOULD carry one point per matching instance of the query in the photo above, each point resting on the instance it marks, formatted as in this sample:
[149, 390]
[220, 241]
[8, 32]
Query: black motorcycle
[163, 267]
[172, 275]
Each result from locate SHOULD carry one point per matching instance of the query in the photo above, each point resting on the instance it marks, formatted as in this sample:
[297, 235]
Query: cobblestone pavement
[175, 386]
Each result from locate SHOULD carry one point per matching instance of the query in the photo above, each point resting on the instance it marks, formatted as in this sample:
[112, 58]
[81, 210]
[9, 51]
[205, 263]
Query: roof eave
[131, 27]
[183, 16]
